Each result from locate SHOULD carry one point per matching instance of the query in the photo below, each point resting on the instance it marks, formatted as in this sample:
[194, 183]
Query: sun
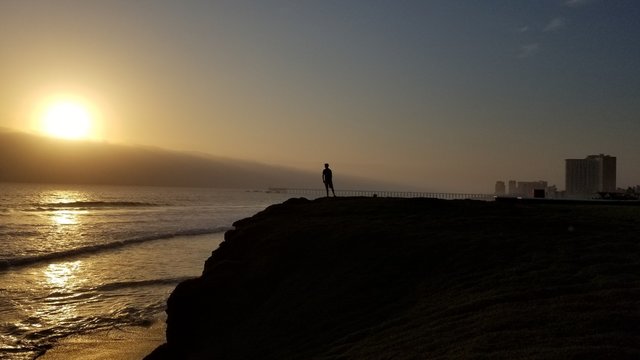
[67, 120]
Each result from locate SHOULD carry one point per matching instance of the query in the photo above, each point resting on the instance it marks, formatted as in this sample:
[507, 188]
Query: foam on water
[83, 250]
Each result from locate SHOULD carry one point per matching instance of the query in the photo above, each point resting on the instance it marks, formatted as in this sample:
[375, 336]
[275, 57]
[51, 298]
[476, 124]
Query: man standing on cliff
[327, 179]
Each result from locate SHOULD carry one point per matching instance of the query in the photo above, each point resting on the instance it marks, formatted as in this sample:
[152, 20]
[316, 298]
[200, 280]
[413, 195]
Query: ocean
[76, 259]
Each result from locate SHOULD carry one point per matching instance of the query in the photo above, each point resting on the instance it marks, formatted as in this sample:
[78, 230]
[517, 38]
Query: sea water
[75, 259]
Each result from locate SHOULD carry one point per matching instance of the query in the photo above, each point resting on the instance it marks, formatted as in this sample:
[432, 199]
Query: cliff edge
[380, 278]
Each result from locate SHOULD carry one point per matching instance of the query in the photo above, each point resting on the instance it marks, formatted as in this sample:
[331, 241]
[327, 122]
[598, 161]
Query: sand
[128, 343]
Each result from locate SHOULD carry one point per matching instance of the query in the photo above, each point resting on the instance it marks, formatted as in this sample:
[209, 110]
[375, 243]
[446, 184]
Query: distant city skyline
[442, 95]
[584, 177]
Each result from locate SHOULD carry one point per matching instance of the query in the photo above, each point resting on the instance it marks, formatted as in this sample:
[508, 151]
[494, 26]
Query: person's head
[326, 166]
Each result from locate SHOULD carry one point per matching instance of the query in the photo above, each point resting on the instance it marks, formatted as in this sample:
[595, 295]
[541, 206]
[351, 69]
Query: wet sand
[127, 343]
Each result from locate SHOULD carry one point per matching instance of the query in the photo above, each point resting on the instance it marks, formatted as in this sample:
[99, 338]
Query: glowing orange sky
[443, 95]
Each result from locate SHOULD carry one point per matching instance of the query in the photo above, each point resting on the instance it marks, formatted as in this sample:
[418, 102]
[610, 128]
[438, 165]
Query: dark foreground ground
[376, 278]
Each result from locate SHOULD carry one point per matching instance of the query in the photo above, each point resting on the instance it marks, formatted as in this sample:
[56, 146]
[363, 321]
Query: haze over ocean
[435, 95]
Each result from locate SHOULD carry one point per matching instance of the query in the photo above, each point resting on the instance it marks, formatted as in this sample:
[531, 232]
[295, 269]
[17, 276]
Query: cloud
[528, 50]
[523, 29]
[555, 24]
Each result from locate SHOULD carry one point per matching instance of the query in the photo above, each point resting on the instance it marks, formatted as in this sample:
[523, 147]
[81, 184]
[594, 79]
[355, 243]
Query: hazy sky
[441, 95]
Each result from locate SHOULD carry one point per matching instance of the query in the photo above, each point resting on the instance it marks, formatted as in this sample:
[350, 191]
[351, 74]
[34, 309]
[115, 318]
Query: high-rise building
[500, 188]
[595, 173]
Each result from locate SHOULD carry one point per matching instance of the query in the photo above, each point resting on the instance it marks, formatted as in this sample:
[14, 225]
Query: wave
[28, 260]
[85, 293]
[90, 205]
[140, 283]
[17, 233]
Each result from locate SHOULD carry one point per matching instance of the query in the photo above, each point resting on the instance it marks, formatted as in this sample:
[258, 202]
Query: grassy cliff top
[381, 278]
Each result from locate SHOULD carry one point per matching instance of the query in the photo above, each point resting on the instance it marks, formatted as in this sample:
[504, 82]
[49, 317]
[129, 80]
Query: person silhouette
[327, 179]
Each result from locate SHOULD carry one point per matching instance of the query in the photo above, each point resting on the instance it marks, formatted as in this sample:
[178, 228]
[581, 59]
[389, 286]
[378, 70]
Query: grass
[380, 278]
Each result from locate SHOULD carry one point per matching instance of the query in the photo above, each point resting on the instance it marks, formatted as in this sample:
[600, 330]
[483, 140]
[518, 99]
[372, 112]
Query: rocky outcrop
[380, 278]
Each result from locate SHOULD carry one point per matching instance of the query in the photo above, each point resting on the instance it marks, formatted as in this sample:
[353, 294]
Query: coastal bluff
[382, 278]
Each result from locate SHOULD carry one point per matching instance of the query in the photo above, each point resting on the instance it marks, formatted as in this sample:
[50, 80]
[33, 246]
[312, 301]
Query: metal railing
[386, 193]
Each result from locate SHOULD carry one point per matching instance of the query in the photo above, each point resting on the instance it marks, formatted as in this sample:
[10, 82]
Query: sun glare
[67, 120]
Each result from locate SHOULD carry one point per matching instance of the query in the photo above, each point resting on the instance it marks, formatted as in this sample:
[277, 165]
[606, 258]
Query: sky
[441, 95]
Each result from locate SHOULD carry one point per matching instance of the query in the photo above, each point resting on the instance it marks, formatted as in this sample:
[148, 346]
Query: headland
[380, 278]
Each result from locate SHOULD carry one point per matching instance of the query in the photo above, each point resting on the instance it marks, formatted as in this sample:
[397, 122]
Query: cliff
[380, 278]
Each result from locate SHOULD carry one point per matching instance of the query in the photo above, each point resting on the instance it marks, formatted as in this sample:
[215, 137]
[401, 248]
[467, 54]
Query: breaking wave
[135, 284]
[28, 260]
[91, 205]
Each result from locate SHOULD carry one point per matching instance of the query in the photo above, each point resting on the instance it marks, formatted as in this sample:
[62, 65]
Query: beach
[128, 343]
[81, 263]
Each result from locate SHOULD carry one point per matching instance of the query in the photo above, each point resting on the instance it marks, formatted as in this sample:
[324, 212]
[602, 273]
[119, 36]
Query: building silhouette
[527, 188]
[588, 176]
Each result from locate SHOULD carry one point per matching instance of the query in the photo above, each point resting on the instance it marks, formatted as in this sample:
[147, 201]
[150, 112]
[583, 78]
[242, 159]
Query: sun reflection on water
[63, 283]
[63, 196]
[65, 212]
[63, 275]
[65, 217]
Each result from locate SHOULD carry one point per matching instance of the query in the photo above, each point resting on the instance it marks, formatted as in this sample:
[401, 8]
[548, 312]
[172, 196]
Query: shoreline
[126, 343]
